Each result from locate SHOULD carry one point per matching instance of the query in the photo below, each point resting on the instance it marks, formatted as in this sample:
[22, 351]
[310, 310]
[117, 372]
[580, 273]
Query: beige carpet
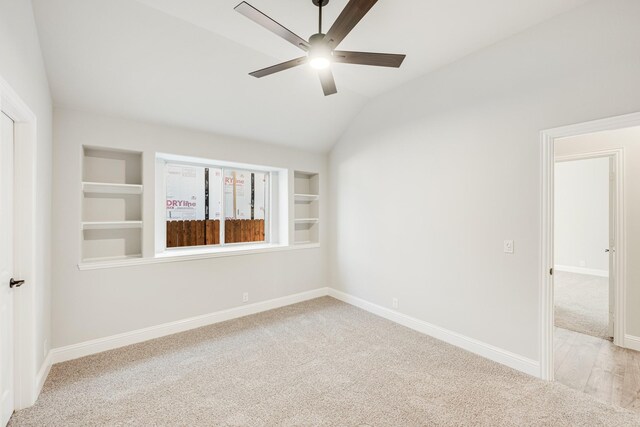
[321, 362]
[582, 303]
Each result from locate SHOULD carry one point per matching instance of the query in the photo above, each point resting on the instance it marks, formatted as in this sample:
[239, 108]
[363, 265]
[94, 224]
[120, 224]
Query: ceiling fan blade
[350, 16]
[260, 18]
[328, 83]
[279, 67]
[368, 58]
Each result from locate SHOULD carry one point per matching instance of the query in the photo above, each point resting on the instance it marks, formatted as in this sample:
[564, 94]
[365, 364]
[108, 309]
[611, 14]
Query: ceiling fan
[321, 47]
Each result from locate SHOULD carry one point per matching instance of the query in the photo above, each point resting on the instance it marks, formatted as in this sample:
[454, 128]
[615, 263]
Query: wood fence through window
[207, 232]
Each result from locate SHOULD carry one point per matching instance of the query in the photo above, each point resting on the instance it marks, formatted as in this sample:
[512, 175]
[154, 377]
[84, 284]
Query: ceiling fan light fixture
[319, 62]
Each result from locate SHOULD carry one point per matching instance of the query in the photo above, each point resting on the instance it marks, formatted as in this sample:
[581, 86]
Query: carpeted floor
[321, 362]
[582, 303]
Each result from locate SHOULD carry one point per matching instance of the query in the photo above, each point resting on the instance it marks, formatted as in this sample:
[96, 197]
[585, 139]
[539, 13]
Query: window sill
[190, 254]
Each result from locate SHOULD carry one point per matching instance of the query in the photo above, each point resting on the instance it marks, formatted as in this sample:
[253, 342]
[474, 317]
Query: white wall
[470, 134]
[99, 303]
[581, 225]
[629, 141]
[21, 65]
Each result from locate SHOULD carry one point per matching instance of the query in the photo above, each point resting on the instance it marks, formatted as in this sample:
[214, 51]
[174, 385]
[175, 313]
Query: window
[213, 205]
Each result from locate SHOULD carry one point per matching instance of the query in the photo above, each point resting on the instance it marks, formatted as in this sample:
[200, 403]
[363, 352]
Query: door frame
[26, 387]
[548, 159]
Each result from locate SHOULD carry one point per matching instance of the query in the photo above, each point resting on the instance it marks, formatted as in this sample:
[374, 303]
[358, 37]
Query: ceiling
[186, 62]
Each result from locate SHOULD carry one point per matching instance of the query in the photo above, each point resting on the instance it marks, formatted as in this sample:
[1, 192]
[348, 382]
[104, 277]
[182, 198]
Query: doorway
[584, 240]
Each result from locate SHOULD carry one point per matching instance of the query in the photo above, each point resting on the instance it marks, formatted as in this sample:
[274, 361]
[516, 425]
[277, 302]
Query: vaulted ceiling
[186, 62]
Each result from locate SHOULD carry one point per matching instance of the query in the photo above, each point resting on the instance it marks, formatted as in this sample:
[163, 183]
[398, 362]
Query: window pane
[193, 205]
[245, 205]
[185, 192]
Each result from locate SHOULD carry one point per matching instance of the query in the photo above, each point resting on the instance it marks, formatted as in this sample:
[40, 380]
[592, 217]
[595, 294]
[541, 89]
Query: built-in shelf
[111, 215]
[306, 197]
[306, 218]
[111, 225]
[109, 188]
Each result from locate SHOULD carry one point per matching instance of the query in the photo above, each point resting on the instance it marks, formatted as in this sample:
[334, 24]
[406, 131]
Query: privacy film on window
[197, 196]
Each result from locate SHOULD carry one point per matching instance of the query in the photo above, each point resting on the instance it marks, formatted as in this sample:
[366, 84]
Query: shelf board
[306, 197]
[111, 225]
[107, 188]
[306, 220]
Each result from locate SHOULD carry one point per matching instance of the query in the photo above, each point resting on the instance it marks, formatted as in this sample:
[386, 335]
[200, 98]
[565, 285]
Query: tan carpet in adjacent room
[321, 362]
[582, 303]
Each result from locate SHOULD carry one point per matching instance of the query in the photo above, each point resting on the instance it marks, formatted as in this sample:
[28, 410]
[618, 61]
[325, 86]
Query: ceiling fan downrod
[320, 4]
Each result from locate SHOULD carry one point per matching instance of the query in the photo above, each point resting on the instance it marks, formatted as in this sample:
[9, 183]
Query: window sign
[185, 192]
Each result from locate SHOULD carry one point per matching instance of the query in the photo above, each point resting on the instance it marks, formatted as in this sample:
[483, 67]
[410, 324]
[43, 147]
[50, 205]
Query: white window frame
[274, 224]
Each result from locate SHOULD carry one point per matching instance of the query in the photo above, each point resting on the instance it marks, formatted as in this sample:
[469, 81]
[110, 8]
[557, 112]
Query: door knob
[607, 250]
[15, 283]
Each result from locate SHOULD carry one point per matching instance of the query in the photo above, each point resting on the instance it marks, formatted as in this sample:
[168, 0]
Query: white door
[612, 243]
[6, 267]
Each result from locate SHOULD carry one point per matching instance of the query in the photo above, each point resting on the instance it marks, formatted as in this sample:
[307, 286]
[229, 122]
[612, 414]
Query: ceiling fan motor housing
[318, 47]
[316, 39]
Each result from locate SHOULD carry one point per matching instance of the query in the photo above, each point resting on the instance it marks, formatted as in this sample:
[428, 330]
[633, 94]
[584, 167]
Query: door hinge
[551, 272]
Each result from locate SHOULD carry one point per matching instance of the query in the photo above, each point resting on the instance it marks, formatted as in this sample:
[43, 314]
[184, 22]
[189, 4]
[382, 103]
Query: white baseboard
[632, 342]
[43, 373]
[99, 345]
[582, 270]
[480, 348]
[87, 348]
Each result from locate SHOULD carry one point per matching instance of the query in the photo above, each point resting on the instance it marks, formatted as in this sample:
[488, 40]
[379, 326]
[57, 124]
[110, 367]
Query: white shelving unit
[307, 208]
[111, 204]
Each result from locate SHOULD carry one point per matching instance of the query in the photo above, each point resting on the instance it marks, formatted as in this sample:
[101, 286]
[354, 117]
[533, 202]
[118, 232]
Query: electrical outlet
[245, 297]
[508, 246]
[394, 303]
[583, 263]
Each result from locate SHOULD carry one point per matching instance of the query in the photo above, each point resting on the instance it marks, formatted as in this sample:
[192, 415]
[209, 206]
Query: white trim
[582, 270]
[99, 345]
[221, 164]
[545, 311]
[480, 348]
[43, 373]
[548, 160]
[25, 391]
[632, 342]
[180, 255]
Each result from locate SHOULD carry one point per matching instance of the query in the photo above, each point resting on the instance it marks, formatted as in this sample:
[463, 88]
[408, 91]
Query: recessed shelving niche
[306, 207]
[111, 204]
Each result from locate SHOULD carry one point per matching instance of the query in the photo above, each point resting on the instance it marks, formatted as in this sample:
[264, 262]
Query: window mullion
[222, 208]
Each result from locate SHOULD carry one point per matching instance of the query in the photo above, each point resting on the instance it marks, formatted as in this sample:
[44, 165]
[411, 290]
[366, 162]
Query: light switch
[508, 246]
